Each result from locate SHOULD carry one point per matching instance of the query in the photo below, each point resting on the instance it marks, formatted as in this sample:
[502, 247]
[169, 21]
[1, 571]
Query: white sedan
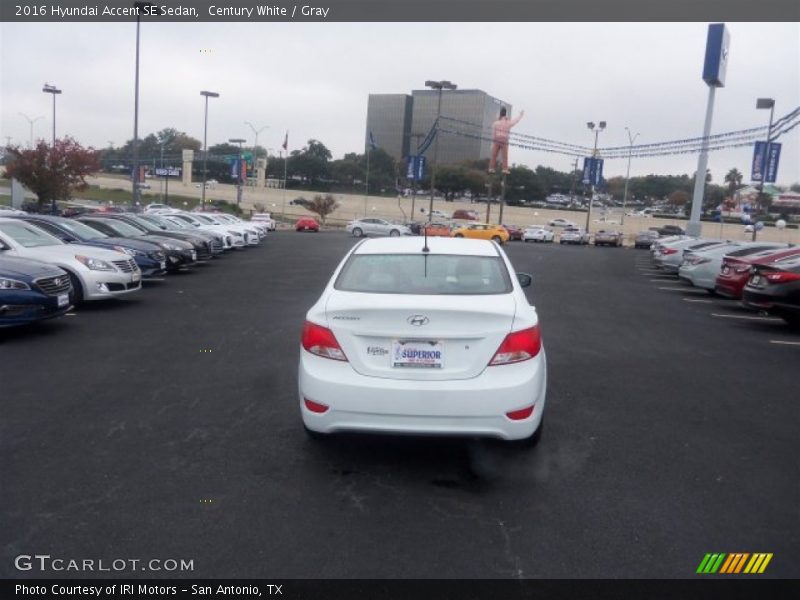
[373, 226]
[561, 223]
[95, 273]
[538, 234]
[442, 342]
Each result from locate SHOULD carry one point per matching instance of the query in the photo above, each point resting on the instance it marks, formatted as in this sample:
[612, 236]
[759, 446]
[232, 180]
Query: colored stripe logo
[735, 563]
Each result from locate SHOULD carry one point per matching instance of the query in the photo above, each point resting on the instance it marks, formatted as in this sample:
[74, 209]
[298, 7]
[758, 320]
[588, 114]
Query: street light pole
[51, 89]
[627, 174]
[763, 103]
[31, 122]
[239, 141]
[600, 127]
[437, 85]
[205, 146]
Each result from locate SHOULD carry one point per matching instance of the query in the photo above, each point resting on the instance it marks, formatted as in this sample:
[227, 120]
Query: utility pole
[627, 174]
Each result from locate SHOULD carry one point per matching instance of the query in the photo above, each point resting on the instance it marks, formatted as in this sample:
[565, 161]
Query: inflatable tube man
[500, 133]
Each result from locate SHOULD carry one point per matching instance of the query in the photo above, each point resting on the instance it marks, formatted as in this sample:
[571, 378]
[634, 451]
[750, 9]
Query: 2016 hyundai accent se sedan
[415, 339]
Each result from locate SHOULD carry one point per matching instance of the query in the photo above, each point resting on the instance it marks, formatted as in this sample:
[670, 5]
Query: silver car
[701, 267]
[574, 235]
[669, 256]
[95, 273]
[374, 226]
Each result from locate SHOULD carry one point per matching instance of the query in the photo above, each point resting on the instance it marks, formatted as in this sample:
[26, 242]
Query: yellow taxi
[482, 231]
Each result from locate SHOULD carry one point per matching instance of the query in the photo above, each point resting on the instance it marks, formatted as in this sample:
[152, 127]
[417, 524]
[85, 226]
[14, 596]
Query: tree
[678, 198]
[53, 172]
[795, 187]
[323, 206]
[734, 179]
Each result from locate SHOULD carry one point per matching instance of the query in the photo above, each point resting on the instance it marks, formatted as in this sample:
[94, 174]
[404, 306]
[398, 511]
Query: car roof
[437, 245]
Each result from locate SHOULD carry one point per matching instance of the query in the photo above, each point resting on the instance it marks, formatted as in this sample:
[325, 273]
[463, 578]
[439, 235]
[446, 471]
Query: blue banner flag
[372, 143]
[592, 170]
[415, 168]
[772, 156]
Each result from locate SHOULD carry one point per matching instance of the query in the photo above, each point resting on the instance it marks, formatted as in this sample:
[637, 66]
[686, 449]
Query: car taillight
[517, 347]
[320, 340]
[669, 251]
[780, 276]
[315, 407]
[522, 413]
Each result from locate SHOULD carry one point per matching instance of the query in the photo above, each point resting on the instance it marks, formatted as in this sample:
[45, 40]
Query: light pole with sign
[239, 169]
[595, 169]
[762, 104]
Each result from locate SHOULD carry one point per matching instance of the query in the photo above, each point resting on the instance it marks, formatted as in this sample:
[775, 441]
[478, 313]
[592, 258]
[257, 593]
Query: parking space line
[71, 314]
[666, 278]
[746, 317]
[784, 342]
[681, 288]
[698, 300]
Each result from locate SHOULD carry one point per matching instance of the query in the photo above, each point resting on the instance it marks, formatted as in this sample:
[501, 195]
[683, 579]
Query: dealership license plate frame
[63, 300]
[426, 344]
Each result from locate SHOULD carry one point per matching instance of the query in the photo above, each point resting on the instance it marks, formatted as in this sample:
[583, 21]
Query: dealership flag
[286, 141]
[372, 143]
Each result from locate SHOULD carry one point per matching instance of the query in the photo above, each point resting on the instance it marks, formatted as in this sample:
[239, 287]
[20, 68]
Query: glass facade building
[400, 122]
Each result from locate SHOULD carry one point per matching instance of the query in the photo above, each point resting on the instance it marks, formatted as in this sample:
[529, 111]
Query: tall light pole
[51, 89]
[255, 147]
[205, 146]
[631, 139]
[764, 103]
[239, 141]
[437, 85]
[135, 179]
[31, 122]
[600, 127]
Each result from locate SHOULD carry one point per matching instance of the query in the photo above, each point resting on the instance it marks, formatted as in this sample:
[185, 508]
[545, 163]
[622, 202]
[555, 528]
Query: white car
[256, 230]
[95, 273]
[232, 237]
[561, 223]
[442, 342]
[669, 256]
[574, 235]
[264, 218]
[251, 237]
[373, 226]
[538, 234]
[155, 207]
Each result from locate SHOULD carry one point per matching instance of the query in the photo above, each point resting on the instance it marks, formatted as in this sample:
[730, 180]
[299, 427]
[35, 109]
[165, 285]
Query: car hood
[137, 244]
[68, 252]
[26, 269]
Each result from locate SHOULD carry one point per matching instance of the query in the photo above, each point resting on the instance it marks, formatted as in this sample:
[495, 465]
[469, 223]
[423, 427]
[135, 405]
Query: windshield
[437, 274]
[28, 236]
[82, 230]
[122, 229]
[206, 219]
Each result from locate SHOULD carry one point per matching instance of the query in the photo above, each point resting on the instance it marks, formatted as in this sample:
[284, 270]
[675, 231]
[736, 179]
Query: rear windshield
[437, 274]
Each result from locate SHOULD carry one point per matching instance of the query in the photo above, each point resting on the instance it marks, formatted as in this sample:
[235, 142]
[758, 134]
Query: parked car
[255, 230]
[264, 218]
[300, 202]
[666, 230]
[7, 211]
[154, 206]
[249, 233]
[31, 291]
[609, 238]
[775, 288]
[306, 224]
[538, 234]
[466, 215]
[700, 268]
[735, 270]
[232, 237]
[373, 226]
[482, 231]
[211, 244]
[149, 257]
[669, 256]
[559, 222]
[645, 239]
[179, 254]
[200, 241]
[437, 215]
[95, 273]
[383, 348]
[514, 232]
[435, 229]
[574, 235]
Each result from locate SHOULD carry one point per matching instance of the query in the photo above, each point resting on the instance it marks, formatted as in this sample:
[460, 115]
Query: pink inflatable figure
[500, 134]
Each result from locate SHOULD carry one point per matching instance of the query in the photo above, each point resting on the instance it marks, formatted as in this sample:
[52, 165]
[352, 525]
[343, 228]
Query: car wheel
[497, 239]
[459, 235]
[77, 289]
[394, 233]
[357, 232]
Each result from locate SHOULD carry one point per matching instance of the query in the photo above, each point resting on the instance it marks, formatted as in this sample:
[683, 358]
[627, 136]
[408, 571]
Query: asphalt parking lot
[166, 425]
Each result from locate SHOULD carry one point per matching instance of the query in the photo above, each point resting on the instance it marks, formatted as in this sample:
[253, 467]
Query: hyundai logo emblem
[418, 320]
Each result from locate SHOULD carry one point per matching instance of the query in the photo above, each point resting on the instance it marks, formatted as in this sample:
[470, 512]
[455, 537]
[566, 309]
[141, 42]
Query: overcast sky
[314, 78]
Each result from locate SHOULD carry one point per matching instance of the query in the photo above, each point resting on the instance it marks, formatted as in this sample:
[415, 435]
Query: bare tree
[323, 206]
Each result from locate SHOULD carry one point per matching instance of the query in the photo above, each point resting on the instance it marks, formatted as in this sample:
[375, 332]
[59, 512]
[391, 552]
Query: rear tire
[497, 239]
[357, 232]
[394, 233]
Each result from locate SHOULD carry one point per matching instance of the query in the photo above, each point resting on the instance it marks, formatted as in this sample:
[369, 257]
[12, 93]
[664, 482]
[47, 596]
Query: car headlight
[169, 246]
[95, 264]
[129, 251]
[13, 284]
[236, 233]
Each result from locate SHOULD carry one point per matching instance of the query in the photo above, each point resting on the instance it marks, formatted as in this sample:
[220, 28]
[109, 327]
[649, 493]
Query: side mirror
[524, 279]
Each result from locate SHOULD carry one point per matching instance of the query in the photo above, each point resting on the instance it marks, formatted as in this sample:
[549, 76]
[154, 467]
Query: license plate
[755, 279]
[163, 264]
[136, 276]
[418, 354]
[194, 255]
[63, 300]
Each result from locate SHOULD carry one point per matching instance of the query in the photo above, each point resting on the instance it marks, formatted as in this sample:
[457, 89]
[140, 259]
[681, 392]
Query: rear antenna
[425, 248]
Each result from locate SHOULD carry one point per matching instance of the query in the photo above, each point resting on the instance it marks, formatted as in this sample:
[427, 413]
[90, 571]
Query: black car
[201, 241]
[666, 230]
[645, 239]
[179, 254]
[149, 256]
[775, 288]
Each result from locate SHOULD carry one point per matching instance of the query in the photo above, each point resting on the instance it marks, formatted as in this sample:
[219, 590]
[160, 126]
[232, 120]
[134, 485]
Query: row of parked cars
[48, 264]
[762, 276]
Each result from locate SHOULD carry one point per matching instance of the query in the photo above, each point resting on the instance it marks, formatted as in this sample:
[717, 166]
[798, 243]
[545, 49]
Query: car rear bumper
[466, 407]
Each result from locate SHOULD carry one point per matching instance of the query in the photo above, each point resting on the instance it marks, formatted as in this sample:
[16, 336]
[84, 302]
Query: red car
[306, 224]
[735, 271]
[514, 232]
